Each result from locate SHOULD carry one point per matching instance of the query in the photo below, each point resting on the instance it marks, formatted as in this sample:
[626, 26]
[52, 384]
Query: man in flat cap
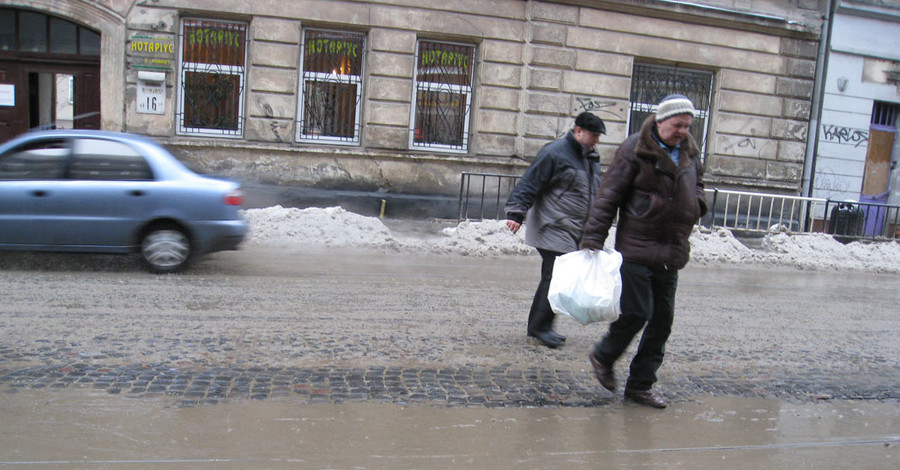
[553, 199]
[655, 187]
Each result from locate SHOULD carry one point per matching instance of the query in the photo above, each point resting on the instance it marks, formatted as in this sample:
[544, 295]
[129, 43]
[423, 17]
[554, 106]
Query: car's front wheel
[165, 249]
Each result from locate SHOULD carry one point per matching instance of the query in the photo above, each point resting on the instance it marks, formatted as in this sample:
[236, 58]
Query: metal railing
[490, 194]
[855, 220]
[483, 195]
[756, 212]
[759, 212]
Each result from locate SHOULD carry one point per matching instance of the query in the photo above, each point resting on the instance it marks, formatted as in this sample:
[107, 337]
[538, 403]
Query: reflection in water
[73, 428]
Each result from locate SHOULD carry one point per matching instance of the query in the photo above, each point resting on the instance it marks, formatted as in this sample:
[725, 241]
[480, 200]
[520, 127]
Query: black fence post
[462, 186]
[712, 219]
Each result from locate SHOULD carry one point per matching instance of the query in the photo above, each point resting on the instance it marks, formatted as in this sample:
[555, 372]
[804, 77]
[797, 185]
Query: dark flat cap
[590, 122]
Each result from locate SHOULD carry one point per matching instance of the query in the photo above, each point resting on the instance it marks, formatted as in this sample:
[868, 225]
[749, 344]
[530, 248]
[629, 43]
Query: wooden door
[14, 109]
[878, 162]
[87, 99]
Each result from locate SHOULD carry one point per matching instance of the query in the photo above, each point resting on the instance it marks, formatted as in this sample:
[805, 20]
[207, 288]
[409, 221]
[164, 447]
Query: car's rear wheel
[165, 249]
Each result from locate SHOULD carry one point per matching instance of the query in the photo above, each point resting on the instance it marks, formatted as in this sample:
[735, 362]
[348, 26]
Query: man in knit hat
[655, 187]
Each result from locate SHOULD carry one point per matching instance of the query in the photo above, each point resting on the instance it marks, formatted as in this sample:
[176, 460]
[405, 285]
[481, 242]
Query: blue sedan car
[107, 192]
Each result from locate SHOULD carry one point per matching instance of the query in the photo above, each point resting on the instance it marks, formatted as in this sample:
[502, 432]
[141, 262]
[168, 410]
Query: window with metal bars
[884, 115]
[330, 87]
[213, 54]
[651, 83]
[443, 88]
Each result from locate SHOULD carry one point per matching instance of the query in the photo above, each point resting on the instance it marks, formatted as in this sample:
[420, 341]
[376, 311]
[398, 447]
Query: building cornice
[701, 14]
[870, 10]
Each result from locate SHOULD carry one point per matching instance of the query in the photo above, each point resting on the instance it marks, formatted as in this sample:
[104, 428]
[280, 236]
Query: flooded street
[342, 359]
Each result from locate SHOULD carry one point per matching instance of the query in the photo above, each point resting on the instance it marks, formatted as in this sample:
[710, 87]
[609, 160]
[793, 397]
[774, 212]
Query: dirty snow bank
[336, 227]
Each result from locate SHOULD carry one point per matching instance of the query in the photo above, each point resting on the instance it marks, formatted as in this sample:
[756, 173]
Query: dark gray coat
[556, 193]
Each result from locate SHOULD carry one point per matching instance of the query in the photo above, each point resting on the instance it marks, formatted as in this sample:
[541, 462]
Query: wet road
[440, 334]
[335, 326]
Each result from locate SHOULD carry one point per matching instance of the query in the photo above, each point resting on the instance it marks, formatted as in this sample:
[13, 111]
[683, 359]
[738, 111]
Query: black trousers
[648, 299]
[541, 316]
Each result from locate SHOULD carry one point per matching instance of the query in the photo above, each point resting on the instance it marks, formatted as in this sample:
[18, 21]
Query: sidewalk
[89, 429]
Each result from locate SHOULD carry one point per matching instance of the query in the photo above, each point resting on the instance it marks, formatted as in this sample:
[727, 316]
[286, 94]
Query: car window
[44, 160]
[96, 159]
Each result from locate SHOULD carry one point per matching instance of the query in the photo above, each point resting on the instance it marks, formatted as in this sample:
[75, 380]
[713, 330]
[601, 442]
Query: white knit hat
[674, 105]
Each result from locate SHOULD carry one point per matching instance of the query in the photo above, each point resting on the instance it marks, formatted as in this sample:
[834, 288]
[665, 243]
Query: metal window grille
[212, 60]
[330, 87]
[651, 83]
[884, 115]
[443, 98]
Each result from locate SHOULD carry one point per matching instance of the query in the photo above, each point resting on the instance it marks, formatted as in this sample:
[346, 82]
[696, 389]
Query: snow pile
[484, 238]
[333, 226]
[718, 246]
[821, 251]
[337, 227]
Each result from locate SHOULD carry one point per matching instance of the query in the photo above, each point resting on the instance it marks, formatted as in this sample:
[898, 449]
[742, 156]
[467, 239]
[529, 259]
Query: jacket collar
[580, 150]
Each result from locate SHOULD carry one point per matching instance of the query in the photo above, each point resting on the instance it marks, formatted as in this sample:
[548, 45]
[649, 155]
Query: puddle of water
[90, 429]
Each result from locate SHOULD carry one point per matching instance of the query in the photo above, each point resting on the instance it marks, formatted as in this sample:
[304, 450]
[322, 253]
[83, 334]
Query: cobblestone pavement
[462, 386]
[432, 333]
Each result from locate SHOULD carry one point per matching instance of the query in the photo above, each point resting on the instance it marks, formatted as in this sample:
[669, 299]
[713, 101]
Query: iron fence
[483, 196]
[759, 212]
[855, 220]
[490, 194]
[756, 212]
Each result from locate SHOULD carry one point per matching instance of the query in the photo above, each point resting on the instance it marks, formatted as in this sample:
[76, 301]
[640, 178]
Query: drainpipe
[812, 137]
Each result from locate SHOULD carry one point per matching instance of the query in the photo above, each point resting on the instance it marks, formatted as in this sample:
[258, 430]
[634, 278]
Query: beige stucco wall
[538, 64]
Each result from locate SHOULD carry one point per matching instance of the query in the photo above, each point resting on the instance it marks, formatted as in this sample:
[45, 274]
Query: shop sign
[151, 52]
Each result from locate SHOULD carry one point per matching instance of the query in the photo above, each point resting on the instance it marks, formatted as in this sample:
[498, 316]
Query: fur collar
[648, 148]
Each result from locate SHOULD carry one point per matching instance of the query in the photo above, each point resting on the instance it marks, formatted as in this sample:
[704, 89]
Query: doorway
[49, 97]
[49, 73]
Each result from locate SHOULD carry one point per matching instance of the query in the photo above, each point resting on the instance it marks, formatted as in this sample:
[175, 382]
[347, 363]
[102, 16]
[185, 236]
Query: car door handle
[135, 192]
[39, 193]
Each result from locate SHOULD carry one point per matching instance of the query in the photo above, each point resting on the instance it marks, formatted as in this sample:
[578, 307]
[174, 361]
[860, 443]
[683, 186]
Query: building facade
[858, 152]
[402, 96]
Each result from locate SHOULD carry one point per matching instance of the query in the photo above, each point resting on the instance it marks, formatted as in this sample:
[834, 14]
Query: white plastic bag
[587, 285]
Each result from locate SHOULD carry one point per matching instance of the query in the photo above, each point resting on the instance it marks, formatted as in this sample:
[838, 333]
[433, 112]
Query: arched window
[26, 31]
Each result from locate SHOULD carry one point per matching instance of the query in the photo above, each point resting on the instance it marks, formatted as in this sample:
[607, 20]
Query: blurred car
[108, 192]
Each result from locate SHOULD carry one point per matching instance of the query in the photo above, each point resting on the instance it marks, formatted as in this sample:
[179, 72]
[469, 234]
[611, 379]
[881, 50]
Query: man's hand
[513, 225]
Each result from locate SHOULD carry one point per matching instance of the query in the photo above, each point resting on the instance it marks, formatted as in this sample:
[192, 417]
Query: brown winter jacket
[657, 202]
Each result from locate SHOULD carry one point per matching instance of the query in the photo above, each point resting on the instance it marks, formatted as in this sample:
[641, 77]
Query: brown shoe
[605, 374]
[645, 397]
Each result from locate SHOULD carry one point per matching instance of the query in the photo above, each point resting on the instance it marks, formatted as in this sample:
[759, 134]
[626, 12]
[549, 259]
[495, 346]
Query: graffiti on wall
[734, 147]
[742, 144]
[274, 125]
[828, 183]
[593, 104]
[845, 135]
